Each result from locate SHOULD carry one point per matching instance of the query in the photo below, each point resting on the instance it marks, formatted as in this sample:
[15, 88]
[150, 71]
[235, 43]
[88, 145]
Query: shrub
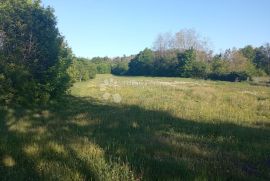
[232, 76]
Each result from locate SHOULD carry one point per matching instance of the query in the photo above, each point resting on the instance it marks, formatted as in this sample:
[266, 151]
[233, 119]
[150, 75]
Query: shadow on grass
[154, 144]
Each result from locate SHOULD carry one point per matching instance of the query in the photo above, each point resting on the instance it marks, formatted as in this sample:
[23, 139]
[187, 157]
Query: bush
[232, 76]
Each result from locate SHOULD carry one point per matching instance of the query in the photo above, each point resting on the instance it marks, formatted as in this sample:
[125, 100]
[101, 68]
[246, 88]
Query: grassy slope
[162, 129]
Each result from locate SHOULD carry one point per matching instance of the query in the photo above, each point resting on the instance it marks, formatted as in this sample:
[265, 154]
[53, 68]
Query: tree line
[83, 69]
[36, 64]
[187, 55]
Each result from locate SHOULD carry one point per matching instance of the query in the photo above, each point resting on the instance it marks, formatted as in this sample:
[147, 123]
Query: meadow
[141, 128]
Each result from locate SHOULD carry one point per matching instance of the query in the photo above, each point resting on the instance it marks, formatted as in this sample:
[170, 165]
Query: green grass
[141, 128]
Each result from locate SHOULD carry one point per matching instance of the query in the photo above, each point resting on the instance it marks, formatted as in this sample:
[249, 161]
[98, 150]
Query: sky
[125, 27]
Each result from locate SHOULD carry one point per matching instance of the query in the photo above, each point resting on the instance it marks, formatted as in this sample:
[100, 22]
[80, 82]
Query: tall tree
[186, 60]
[219, 65]
[142, 63]
[262, 58]
[249, 52]
[163, 43]
[31, 50]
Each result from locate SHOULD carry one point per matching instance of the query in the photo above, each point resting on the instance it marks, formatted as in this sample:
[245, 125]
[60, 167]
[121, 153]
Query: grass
[141, 128]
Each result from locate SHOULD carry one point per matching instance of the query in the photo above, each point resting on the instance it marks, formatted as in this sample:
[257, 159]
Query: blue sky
[117, 27]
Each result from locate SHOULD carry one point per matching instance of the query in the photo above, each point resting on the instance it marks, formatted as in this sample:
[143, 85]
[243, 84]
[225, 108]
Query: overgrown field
[141, 128]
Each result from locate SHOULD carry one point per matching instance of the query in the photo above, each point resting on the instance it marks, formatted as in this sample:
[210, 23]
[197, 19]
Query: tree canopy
[186, 54]
[33, 55]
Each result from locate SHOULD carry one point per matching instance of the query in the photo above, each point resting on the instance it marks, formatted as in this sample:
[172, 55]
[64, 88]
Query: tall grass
[141, 128]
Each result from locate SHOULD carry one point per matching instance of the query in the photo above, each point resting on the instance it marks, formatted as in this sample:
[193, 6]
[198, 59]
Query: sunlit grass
[185, 98]
[141, 128]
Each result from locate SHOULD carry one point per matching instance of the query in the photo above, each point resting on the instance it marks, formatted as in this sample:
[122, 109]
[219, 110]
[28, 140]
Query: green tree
[249, 52]
[120, 68]
[239, 63]
[142, 64]
[186, 60]
[199, 69]
[219, 65]
[103, 68]
[32, 52]
[81, 70]
[165, 65]
[262, 58]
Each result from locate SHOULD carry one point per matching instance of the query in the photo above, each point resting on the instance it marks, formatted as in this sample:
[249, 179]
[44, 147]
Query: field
[141, 128]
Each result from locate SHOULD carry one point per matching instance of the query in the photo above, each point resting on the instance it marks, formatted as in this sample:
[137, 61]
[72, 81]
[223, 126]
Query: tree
[32, 52]
[120, 68]
[165, 65]
[81, 70]
[187, 39]
[262, 58]
[163, 43]
[233, 65]
[103, 64]
[239, 63]
[60, 79]
[199, 69]
[142, 63]
[218, 65]
[248, 52]
[186, 60]
[183, 40]
[103, 68]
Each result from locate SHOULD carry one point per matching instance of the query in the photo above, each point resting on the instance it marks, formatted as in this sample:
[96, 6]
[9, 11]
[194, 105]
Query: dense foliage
[103, 65]
[186, 54]
[81, 70]
[184, 58]
[116, 65]
[120, 68]
[33, 54]
[232, 65]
